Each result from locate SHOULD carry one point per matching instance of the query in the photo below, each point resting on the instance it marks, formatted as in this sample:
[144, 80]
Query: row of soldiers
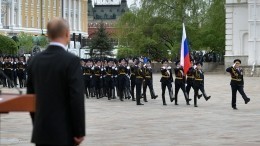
[111, 76]
[105, 78]
[11, 69]
[194, 79]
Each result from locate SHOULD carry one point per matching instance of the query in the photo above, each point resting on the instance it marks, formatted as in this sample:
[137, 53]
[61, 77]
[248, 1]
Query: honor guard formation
[13, 69]
[129, 80]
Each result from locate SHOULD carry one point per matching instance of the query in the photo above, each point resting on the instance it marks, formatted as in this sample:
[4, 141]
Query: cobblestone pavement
[115, 123]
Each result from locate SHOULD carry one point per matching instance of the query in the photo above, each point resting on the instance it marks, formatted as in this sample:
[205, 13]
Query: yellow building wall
[32, 9]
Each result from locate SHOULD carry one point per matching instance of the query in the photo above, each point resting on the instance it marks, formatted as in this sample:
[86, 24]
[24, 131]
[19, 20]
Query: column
[69, 14]
[64, 8]
[74, 15]
[8, 15]
[1, 25]
[18, 16]
[12, 13]
[79, 15]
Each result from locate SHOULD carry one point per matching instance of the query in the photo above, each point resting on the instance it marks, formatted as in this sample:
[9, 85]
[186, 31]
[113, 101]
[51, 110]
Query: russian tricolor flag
[185, 55]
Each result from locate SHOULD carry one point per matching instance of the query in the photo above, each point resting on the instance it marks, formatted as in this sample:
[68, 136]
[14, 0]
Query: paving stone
[116, 123]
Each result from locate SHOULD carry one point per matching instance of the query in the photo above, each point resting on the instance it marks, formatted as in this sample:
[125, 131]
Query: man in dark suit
[55, 77]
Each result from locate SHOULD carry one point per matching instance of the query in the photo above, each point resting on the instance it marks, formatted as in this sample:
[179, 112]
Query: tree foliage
[156, 28]
[7, 45]
[25, 42]
[101, 41]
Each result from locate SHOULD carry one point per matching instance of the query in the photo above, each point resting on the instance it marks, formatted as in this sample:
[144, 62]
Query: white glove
[116, 68]
[234, 65]
[195, 66]
[128, 67]
[169, 67]
[163, 67]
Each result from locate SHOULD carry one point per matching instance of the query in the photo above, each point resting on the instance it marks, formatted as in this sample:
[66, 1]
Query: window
[26, 21]
[54, 3]
[38, 22]
[32, 22]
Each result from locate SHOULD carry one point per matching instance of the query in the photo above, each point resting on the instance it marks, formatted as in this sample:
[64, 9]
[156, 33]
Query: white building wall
[242, 31]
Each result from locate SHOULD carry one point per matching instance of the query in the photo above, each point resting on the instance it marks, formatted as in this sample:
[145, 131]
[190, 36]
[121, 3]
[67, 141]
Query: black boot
[163, 99]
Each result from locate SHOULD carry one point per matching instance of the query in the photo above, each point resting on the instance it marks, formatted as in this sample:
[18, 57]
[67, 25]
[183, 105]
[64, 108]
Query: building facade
[106, 11]
[243, 33]
[31, 16]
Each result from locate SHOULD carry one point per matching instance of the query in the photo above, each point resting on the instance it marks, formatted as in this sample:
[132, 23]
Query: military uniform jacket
[1, 65]
[97, 71]
[87, 71]
[166, 75]
[21, 66]
[139, 73]
[132, 70]
[148, 73]
[190, 76]
[8, 66]
[122, 70]
[236, 76]
[198, 77]
[179, 74]
[109, 71]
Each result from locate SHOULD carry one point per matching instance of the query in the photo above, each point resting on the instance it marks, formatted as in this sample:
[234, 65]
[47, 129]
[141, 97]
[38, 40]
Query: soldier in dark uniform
[115, 74]
[199, 83]
[109, 81]
[122, 77]
[97, 76]
[2, 78]
[132, 76]
[8, 69]
[148, 76]
[190, 79]
[166, 80]
[87, 75]
[127, 91]
[237, 82]
[180, 83]
[139, 77]
[15, 71]
[21, 66]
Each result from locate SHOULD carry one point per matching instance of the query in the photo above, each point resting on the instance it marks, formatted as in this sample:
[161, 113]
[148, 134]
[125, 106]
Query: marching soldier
[199, 83]
[2, 77]
[138, 82]
[190, 79]
[8, 68]
[21, 66]
[97, 76]
[109, 81]
[133, 76]
[166, 80]
[237, 82]
[180, 83]
[115, 74]
[15, 61]
[127, 91]
[87, 75]
[148, 76]
[122, 77]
